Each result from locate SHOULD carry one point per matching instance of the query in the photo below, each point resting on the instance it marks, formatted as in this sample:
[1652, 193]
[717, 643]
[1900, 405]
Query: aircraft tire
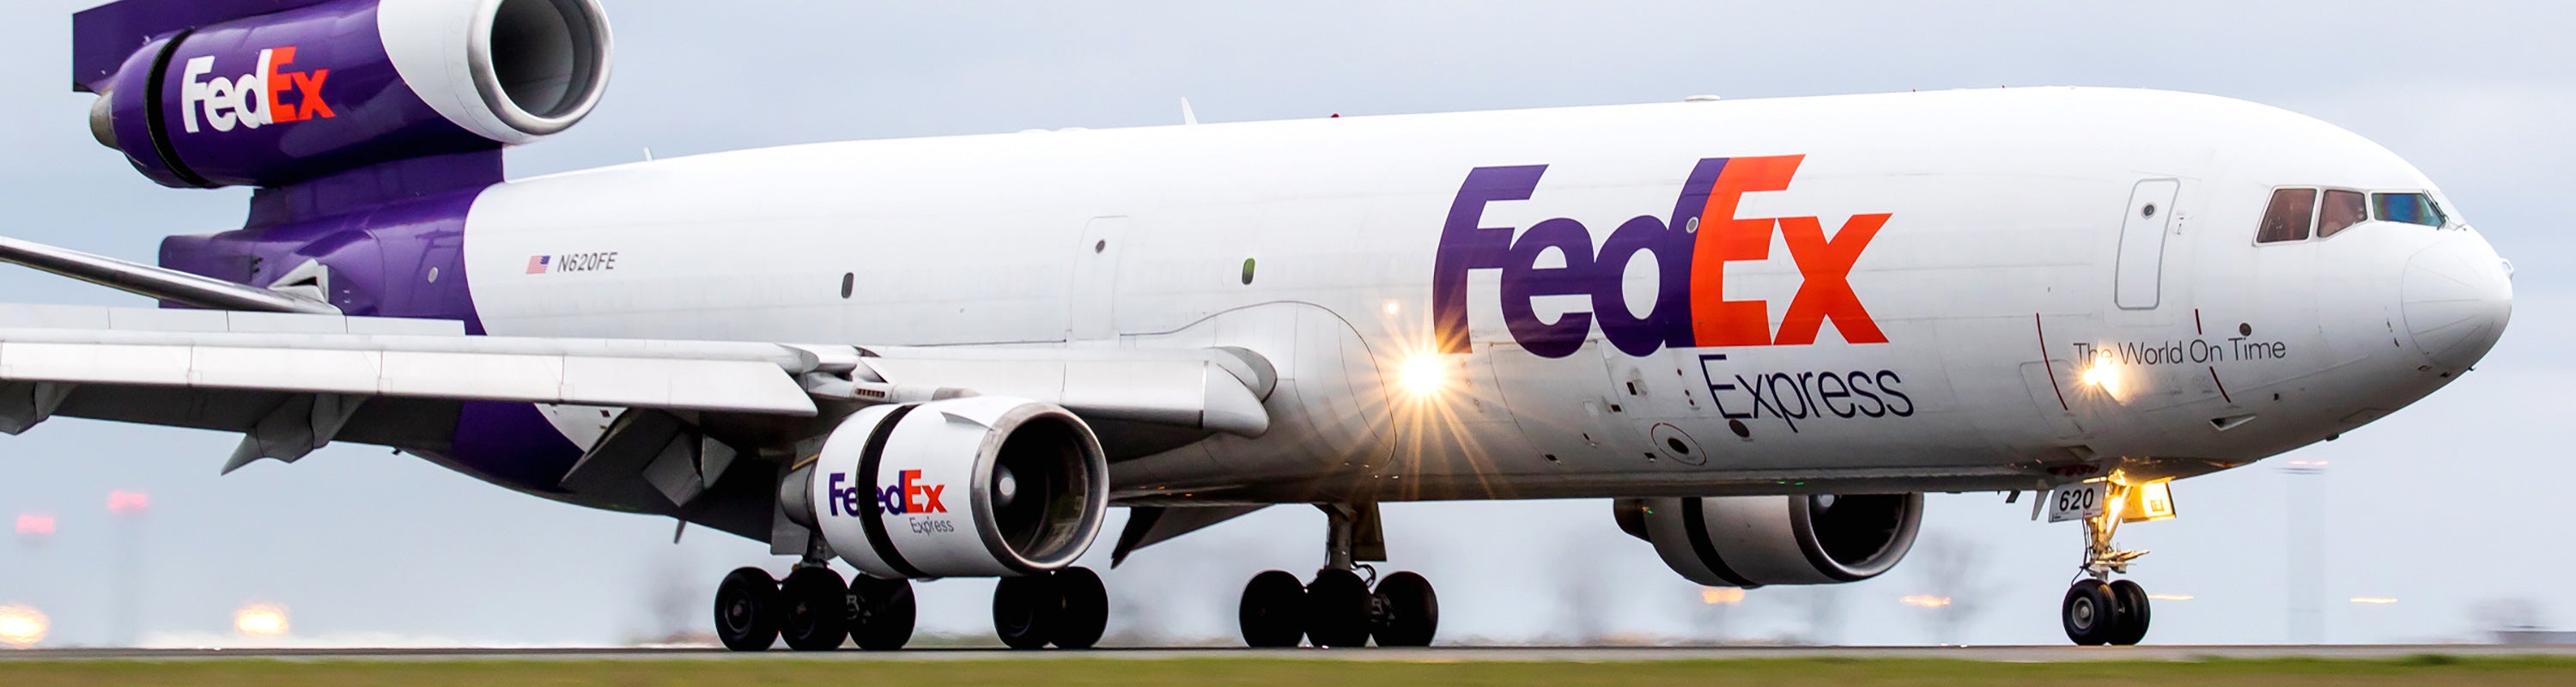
[1273, 613]
[1408, 611]
[816, 607]
[1026, 611]
[1085, 611]
[2090, 613]
[747, 610]
[2134, 612]
[882, 616]
[1337, 609]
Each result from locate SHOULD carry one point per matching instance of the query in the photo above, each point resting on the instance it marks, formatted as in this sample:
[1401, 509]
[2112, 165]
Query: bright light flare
[2171, 597]
[22, 627]
[128, 502]
[1721, 596]
[36, 525]
[260, 620]
[2373, 600]
[1425, 375]
[1926, 601]
[2104, 377]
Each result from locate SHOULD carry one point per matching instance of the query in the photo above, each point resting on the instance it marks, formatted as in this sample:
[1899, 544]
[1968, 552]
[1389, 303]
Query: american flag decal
[537, 264]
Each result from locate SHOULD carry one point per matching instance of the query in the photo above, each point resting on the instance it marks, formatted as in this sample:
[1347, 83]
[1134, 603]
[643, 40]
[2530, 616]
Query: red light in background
[36, 525]
[128, 502]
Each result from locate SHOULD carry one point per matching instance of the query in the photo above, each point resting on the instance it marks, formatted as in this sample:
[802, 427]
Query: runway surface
[2005, 654]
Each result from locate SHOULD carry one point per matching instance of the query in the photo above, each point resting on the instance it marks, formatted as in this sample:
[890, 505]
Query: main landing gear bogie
[813, 609]
[1338, 609]
[1067, 608]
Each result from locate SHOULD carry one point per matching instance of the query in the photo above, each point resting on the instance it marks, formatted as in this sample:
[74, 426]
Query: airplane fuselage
[1969, 290]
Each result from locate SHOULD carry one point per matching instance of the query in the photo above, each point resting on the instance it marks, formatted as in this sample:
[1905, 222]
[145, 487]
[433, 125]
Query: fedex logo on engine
[907, 496]
[252, 100]
[1691, 250]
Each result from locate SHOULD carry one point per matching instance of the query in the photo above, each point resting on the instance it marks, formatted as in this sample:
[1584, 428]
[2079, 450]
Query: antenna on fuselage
[1188, 117]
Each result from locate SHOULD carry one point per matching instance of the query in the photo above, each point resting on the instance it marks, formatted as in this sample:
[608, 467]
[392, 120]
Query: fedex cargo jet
[1757, 330]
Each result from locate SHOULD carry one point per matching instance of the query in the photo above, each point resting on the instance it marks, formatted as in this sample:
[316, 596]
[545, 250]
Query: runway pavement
[2008, 654]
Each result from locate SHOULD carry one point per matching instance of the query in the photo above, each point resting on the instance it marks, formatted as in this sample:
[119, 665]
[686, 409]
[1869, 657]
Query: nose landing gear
[2099, 610]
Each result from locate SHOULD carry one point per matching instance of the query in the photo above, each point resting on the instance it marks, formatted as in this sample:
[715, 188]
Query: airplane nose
[2456, 297]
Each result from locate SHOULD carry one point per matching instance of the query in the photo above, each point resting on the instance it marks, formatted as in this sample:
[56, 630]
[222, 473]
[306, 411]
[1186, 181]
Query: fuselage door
[2138, 279]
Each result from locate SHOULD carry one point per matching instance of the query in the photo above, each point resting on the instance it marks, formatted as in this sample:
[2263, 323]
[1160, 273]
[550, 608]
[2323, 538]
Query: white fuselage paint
[2015, 244]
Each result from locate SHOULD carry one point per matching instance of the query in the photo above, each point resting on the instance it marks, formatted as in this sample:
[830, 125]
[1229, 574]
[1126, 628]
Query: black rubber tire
[747, 610]
[1025, 610]
[1408, 611]
[1337, 609]
[1273, 613]
[1085, 610]
[817, 609]
[2090, 613]
[881, 613]
[2135, 612]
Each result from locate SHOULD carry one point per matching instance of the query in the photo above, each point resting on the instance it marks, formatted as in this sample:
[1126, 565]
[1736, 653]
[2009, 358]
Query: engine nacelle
[967, 487]
[1750, 541]
[326, 87]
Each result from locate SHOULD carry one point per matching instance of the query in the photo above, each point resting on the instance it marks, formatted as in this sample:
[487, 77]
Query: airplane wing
[293, 382]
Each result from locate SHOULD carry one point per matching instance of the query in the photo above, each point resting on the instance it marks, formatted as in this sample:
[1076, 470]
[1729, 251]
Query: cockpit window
[2411, 208]
[2287, 219]
[2342, 210]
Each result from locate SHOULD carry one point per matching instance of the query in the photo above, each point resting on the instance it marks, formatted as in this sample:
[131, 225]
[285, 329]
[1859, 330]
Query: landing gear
[1408, 612]
[1273, 610]
[747, 613]
[817, 608]
[1339, 608]
[813, 609]
[2099, 610]
[1068, 608]
[881, 613]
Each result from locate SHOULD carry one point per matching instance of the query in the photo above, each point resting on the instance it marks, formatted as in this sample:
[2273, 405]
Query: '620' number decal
[2076, 501]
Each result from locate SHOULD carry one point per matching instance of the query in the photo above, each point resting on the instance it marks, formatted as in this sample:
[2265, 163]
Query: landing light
[1926, 601]
[1425, 375]
[2373, 600]
[1721, 596]
[2103, 377]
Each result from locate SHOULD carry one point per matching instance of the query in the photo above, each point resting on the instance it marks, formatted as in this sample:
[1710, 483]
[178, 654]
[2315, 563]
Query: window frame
[2371, 203]
[2370, 210]
[2315, 203]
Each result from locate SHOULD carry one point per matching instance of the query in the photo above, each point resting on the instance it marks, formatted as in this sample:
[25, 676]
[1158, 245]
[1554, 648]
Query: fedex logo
[1691, 249]
[255, 99]
[907, 496]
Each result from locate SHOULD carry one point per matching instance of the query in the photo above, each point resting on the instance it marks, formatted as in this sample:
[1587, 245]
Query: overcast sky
[2443, 506]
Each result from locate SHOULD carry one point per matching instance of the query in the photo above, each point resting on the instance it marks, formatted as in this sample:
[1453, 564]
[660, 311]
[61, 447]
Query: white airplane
[1760, 329]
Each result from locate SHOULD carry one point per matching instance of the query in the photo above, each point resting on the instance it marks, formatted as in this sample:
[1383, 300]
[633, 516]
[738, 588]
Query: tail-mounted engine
[208, 93]
[966, 487]
[1750, 541]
